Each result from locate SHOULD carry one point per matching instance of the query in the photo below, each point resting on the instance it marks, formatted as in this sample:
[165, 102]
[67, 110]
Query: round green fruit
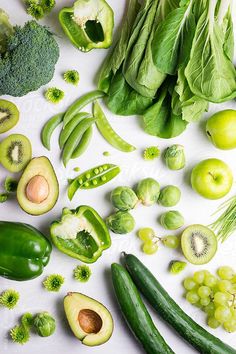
[221, 129]
[212, 179]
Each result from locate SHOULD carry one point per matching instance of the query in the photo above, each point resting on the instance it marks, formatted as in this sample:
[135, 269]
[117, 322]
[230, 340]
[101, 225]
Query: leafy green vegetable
[9, 299]
[210, 73]
[159, 120]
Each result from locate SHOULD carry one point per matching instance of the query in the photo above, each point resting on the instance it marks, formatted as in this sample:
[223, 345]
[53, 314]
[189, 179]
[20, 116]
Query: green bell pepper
[88, 24]
[24, 251]
[81, 234]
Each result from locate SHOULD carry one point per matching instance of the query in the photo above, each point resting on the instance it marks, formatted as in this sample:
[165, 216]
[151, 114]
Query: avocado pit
[37, 190]
[89, 321]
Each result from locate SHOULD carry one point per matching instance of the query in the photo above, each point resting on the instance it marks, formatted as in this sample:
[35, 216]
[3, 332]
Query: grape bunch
[215, 295]
[151, 241]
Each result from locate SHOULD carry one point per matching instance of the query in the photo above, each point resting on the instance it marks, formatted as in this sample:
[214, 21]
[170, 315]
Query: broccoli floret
[29, 60]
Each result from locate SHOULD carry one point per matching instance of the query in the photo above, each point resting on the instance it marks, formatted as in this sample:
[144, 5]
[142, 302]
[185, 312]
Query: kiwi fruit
[9, 115]
[15, 152]
[199, 244]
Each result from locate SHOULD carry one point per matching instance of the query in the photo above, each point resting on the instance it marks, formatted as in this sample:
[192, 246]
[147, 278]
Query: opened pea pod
[93, 178]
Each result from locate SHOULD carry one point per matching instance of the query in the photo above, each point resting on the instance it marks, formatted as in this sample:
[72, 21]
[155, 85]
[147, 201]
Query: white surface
[34, 112]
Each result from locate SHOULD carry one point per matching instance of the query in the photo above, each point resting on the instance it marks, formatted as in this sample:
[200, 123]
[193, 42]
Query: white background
[35, 111]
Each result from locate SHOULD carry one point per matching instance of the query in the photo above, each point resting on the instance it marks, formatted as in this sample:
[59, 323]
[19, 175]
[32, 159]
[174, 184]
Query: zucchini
[166, 307]
[136, 313]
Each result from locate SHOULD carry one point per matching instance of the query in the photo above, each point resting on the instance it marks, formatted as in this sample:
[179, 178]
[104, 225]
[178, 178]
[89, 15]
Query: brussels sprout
[121, 222]
[175, 157]
[44, 324]
[169, 196]
[148, 191]
[172, 220]
[124, 198]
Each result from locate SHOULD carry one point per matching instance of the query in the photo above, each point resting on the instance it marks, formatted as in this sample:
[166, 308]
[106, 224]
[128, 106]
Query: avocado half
[89, 320]
[38, 188]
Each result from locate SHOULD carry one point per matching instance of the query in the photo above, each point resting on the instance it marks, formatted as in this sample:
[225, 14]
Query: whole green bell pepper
[88, 24]
[24, 251]
[81, 234]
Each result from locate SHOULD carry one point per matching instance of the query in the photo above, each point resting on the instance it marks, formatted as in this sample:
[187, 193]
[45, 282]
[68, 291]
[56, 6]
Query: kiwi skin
[9, 115]
[202, 237]
[19, 146]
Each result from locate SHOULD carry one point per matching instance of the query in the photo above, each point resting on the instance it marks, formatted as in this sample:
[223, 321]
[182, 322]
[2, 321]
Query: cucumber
[166, 307]
[136, 313]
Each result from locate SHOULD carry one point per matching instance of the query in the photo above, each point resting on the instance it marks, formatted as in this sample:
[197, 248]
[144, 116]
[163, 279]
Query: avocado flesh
[39, 166]
[89, 320]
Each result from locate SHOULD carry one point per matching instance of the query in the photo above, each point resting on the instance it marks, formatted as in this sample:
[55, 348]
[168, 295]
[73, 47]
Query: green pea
[86, 184]
[105, 167]
[100, 169]
[96, 171]
[87, 175]
[95, 182]
[103, 178]
[80, 181]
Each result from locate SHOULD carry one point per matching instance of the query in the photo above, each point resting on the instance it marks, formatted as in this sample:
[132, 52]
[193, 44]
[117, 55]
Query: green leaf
[139, 69]
[210, 73]
[159, 120]
[123, 100]
[168, 39]
[114, 61]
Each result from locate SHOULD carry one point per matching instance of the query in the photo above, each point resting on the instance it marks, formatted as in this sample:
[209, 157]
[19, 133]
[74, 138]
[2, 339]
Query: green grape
[230, 325]
[171, 241]
[192, 297]
[189, 284]
[233, 312]
[210, 280]
[220, 298]
[204, 291]
[205, 301]
[224, 286]
[213, 323]
[150, 247]
[199, 276]
[146, 234]
[222, 314]
[210, 309]
[225, 273]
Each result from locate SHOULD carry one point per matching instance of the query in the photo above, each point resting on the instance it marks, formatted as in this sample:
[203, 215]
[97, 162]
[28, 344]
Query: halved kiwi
[9, 115]
[199, 244]
[15, 152]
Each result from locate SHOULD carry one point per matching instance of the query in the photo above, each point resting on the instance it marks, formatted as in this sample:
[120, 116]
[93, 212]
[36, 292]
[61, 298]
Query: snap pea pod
[107, 131]
[81, 103]
[84, 143]
[49, 128]
[74, 139]
[65, 133]
[93, 178]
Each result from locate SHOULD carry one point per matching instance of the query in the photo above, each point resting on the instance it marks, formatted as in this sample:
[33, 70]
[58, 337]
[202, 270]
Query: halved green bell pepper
[81, 234]
[24, 251]
[88, 24]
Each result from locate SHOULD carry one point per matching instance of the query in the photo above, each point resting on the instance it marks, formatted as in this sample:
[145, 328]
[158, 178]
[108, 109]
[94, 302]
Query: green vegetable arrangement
[19, 52]
[171, 60]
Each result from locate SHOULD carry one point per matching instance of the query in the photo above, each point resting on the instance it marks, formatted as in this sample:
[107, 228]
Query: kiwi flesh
[15, 152]
[199, 244]
[9, 115]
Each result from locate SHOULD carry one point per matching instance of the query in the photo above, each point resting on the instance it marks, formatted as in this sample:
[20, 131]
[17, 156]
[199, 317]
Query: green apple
[221, 129]
[212, 178]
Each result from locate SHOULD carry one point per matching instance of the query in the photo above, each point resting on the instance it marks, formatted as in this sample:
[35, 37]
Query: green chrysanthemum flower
[35, 11]
[151, 153]
[9, 298]
[20, 334]
[47, 5]
[54, 95]
[10, 185]
[27, 320]
[177, 267]
[82, 273]
[71, 77]
[3, 197]
[54, 282]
